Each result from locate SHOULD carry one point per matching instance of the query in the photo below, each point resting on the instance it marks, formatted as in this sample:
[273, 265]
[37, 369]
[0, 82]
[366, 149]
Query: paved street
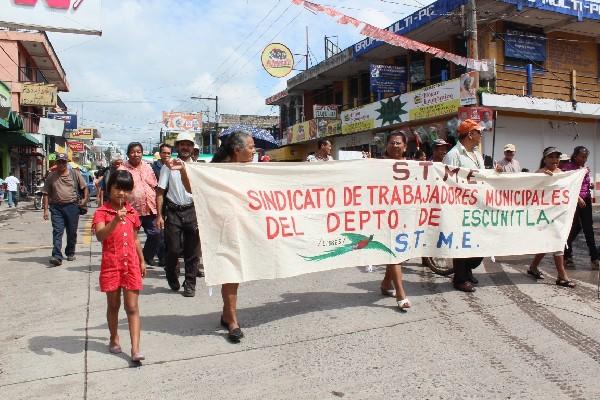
[321, 336]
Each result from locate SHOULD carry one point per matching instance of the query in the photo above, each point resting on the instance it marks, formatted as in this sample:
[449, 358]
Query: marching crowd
[157, 198]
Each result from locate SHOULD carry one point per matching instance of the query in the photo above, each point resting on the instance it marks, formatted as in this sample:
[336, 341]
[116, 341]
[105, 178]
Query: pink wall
[9, 72]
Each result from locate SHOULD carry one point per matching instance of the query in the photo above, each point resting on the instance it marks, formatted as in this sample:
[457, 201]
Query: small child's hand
[121, 214]
[143, 269]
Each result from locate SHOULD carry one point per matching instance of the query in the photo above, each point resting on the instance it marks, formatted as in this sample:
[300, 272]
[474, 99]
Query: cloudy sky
[155, 54]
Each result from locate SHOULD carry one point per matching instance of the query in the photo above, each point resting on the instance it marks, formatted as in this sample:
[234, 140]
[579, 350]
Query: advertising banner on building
[434, 101]
[71, 16]
[577, 8]
[469, 85]
[51, 127]
[302, 132]
[336, 215]
[483, 115]
[388, 79]
[328, 127]
[325, 111]
[277, 60]
[180, 121]
[82, 134]
[76, 147]
[39, 94]
[70, 120]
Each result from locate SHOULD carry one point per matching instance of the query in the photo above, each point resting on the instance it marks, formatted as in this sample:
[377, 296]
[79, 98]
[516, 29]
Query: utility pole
[307, 49]
[471, 30]
[216, 100]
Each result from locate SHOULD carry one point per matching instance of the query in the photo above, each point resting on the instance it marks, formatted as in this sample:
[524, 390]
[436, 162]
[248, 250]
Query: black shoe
[149, 263]
[173, 284]
[473, 280]
[464, 287]
[71, 258]
[234, 334]
[188, 291]
[162, 262]
[55, 261]
[200, 273]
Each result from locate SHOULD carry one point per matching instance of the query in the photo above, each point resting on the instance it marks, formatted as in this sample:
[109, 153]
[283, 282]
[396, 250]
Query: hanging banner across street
[259, 224]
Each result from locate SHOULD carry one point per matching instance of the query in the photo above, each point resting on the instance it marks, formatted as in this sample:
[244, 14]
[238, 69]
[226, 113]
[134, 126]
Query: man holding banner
[465, 154]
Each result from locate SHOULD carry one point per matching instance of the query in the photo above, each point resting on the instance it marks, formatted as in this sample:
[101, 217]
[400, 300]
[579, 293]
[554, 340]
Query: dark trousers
[178, 224]
[64, 217]
[152, 244]
[583, 220]
[463, 268]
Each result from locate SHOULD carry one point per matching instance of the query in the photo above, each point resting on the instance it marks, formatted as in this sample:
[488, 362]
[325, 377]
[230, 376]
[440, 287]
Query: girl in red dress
[116, 225]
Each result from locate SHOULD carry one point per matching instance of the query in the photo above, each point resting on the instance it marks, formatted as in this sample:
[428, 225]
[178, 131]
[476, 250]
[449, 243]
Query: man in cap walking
[64, 192]
[509, 163]
[179, 218]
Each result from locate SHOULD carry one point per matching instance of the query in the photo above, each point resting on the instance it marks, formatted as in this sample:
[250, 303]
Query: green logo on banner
[357, 242]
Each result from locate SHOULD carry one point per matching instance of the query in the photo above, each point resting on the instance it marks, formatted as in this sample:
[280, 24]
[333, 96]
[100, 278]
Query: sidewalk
[317, 336]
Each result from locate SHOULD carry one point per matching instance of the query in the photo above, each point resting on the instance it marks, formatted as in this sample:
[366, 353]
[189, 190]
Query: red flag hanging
[392, 38]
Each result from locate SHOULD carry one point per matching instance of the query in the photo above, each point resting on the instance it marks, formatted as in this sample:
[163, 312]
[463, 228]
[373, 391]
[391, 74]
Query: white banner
[71, 16]
[51, 127]
[271, 220]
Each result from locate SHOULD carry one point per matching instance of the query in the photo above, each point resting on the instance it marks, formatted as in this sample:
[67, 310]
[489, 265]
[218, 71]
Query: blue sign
[70, 119]
[421, 17]
[388, 79]
[524, 45]
[578, 8]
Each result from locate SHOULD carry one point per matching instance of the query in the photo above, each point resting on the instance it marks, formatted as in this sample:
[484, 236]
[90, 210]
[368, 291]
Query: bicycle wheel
[440, 266]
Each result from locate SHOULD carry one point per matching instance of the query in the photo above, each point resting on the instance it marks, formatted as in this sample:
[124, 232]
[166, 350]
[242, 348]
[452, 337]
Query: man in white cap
[509, 163]
[440, 148]
[179, 218]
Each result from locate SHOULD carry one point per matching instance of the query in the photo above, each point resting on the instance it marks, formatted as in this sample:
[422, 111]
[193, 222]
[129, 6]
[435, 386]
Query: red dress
[120, 266]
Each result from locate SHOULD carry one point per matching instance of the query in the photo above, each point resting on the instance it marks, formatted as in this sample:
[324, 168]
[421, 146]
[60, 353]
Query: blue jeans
[64, 217]
[153, 238]
[13, 198]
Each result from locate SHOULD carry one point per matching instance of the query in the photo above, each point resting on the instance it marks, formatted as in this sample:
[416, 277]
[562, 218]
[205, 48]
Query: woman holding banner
[238, 147]
[549, 166]
[395, 149]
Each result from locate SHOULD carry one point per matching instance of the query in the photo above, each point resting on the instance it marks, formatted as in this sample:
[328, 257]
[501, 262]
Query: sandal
[403, 304]
[388, 292]
[114, 348]
[536, 274]
[565, 283]
[137, 357]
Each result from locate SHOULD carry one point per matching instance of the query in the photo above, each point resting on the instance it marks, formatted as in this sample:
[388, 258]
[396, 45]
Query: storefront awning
[18, 139]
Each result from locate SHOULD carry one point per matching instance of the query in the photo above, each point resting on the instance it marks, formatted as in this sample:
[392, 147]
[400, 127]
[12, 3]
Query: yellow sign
[82, 134]
[38, 94]
[277, 60]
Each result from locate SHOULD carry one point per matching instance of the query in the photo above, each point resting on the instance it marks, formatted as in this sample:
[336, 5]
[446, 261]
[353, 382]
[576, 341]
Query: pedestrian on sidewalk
[583, 219]
[12, 189]
[65, 192]
[2, 190]
[143, 198]
[116, 224]
[465, 154]
[238, 147]
[549, 166]
[509, 164]
[174, 197]
[391, 284]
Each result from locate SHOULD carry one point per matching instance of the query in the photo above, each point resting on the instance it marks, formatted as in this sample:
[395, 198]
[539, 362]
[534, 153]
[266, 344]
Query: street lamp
[210, 136]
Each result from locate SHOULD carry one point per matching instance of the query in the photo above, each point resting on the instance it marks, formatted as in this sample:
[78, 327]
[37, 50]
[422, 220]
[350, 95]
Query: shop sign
[277, 60]
[328, 127]
[388, 79]
[578, 8]
[38, 94]
[434, 101]
[82, 134]
[180, 121]
[325, 111]
[76, 147]
[427, 14]
[69, 119]
[302, 132]
[74, 16]
[524, 45]
[5, 104]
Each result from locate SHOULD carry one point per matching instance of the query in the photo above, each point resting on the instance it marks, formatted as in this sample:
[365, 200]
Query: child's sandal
[565, 283]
